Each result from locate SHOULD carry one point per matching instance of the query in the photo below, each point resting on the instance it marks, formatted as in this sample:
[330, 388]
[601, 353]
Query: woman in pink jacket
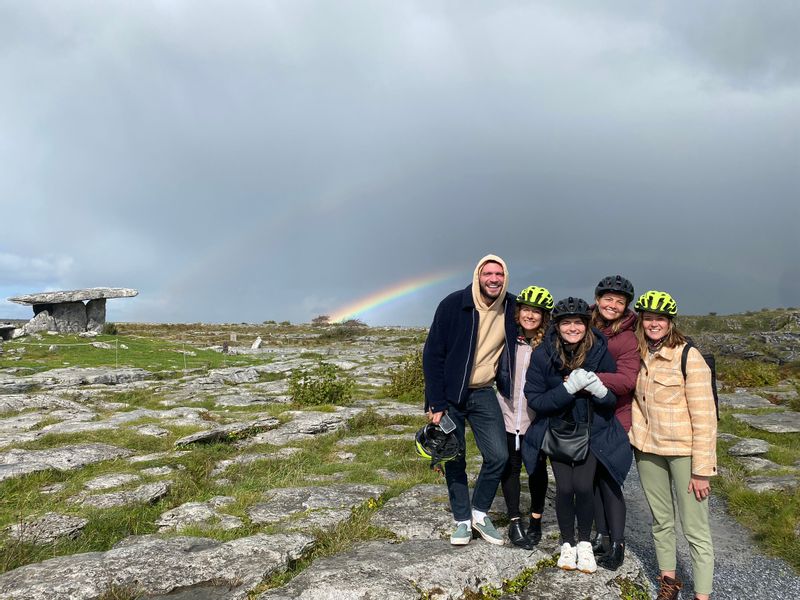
[612, 316]
[533, 315]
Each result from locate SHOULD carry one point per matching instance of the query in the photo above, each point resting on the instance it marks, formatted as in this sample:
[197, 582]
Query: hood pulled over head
[477, 297]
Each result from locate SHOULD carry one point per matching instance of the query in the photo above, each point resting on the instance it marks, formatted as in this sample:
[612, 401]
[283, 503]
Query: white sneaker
[586, 562]
[567, 558]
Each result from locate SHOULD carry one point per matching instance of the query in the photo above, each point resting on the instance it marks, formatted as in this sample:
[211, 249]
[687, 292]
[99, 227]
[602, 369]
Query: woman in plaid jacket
[674, 435]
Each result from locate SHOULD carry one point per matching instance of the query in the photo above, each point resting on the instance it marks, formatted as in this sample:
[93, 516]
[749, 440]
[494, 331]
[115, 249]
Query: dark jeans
[537, 483]
[482, 411]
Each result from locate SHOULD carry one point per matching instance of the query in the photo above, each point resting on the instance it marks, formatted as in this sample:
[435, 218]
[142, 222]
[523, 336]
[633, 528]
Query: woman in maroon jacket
[612, 316]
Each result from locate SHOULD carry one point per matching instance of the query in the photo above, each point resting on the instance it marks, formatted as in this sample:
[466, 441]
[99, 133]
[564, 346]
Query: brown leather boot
[669, 588]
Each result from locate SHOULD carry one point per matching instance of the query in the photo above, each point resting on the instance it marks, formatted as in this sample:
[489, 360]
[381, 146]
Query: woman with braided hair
[534, 304]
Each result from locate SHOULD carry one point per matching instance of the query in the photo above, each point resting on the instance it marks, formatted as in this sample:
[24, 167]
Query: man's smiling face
[491, 280]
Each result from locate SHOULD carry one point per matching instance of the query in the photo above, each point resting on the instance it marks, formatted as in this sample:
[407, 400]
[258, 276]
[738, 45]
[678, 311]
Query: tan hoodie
[491, 328]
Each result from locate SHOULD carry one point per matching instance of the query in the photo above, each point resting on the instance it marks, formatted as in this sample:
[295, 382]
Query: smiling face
[530, 319]
[572, 329]
[655, 326]
[612, 306]
[491, 280]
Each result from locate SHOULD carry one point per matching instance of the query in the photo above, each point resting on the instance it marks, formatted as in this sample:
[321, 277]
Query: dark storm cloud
[278, 160]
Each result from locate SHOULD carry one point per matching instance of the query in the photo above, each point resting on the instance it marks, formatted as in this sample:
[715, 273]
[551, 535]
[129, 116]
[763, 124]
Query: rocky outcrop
[152, 566]
[65, 458]
[48, 528]
[780, 422]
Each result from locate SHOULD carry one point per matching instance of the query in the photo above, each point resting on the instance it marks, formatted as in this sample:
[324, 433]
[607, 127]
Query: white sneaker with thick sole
[586, 562]
[567, 559]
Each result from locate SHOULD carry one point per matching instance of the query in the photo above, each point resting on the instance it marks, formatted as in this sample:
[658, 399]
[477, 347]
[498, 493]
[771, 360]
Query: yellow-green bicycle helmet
[657, 302]
[537, 297]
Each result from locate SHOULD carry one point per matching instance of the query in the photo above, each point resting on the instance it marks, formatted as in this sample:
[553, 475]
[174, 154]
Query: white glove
[595, 387]
[576, 381]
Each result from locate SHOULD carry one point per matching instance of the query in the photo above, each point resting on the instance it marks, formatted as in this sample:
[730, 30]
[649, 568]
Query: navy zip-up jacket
[450, 350]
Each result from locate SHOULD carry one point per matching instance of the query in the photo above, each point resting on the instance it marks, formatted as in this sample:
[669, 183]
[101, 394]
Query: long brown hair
[599, 322]
[673, 338]
[581, 350]
[539, 335]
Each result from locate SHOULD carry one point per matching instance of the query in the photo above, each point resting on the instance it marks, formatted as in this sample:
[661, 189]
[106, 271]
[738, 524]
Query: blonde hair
[540, 330]
[581, 350]
[673, 338]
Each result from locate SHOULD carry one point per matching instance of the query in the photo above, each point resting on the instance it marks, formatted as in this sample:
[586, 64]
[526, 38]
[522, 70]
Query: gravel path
[741, 570]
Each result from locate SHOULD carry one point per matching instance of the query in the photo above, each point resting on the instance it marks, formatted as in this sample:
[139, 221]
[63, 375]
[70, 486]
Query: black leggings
[575, 497]
[537, 483]
[609, 505]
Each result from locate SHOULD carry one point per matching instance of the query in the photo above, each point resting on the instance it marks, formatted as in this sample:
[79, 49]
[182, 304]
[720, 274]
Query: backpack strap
[684, 356]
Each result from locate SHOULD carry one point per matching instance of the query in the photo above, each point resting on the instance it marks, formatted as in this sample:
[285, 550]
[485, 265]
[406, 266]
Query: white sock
[478, 516]
[467, 523]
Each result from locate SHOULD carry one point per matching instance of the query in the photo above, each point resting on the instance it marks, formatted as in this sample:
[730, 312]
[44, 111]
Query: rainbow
[395, 291]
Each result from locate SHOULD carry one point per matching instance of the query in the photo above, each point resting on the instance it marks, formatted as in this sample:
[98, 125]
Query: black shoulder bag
[567, 441]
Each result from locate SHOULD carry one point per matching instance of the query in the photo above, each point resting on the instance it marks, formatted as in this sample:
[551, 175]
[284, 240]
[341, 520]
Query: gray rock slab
[366, 439]
[776, 422]
[246, 459]
[154, 566]
[777, 483]
[151, 430]
[225, 432]
[282, 503]
[95, 315]
[64, 458]
[199, 514]
[304, 425]
[233, 375]
[74, 376]
[157, 456]
[74, 295]
[21, 402]
[157, 471]
[741, 399]
[757, 464]
[749, 447]
[147, 493]
[420, 513]
[48, 528]
[107, 482]
[432, 568]
[727, 437]
[390, 408]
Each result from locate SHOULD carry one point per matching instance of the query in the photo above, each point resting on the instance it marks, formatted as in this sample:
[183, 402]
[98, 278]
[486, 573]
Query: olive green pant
[658, 474]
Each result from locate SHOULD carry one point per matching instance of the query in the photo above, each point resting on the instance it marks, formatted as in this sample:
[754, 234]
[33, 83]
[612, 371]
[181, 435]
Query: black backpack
[712, 364]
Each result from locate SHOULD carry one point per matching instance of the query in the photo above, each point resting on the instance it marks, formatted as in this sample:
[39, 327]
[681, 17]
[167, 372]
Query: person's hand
[576, 381]
[700, 485]
[595, 387]
[434, 417]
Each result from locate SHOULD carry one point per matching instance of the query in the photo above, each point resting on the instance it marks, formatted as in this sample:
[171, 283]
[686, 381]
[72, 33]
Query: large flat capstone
[74, 295]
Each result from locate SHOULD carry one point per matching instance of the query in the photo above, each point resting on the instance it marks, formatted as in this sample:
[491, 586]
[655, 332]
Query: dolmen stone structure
[70, 311]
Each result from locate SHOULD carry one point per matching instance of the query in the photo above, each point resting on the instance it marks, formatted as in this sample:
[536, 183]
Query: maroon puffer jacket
[624, 348]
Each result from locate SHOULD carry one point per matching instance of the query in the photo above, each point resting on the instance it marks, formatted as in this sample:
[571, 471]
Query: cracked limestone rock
[48, 528]
[64, 458]
[749, 447]
[200, 514]
[144, 494]
[304, 425]
[775, 422]
[224, 432]
[158, 567]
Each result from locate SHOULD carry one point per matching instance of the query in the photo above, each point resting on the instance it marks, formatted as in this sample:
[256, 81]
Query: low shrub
[110, 329]
[407, 381]
[747, 373]
[325, 384]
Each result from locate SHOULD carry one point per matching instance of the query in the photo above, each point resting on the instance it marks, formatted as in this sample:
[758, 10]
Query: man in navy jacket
[470, 348]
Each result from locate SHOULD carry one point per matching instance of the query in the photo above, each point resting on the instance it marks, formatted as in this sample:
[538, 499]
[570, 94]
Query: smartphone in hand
[446, 424]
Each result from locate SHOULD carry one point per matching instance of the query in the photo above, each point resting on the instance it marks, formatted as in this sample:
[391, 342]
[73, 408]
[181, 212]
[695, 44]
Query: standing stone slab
[96, 314]
[70, 317]
[48, 528]
[153, 566]
[65, 458]
[776, 422]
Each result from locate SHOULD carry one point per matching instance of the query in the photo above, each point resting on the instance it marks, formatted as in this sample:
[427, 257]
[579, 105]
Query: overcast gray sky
[253, 160]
